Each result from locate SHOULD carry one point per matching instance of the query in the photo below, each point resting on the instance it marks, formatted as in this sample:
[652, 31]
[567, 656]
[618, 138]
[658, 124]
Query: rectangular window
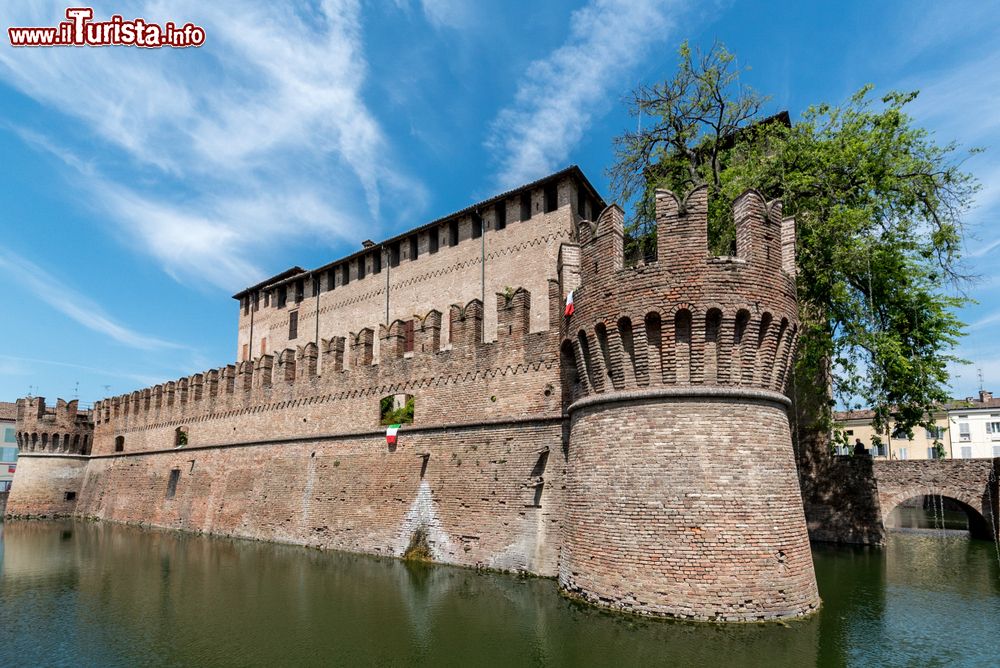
[477, 225]
[453, 233]
[282, 296]
[414, 247]
[930, 453]
[966, 452]
[432, 238]
[70, 496]
[300, 290]
[394, 254]
[934, 433]
[408, 337]
[551, 198]
[293, 325]
[501, 214]
[902, 453]
[361, 267]
[256, 301]
[993, 429]
[996, 450]
[377, 262]
[245, 303]
[315, 285]
[525, 206]
[8, 435]
[345, 274]
[849, 432]
[963, 431]
[331, 279]
[175, 475]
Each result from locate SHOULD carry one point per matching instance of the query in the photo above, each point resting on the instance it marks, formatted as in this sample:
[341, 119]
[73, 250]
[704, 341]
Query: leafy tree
[878, 204]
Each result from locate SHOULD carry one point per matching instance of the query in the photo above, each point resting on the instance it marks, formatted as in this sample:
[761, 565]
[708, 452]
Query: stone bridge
[971, 482]
[849, 499]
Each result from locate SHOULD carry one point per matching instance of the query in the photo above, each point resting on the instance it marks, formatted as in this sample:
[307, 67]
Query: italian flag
[390, 433]
[569, 304]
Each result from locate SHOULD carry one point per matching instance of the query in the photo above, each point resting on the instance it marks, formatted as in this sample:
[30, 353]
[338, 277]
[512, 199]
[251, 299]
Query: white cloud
[456, 14]
[561, 93]
[73, 304]
[260, 137]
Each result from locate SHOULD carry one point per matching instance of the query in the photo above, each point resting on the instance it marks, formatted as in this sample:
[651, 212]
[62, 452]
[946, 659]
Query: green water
[86, 594]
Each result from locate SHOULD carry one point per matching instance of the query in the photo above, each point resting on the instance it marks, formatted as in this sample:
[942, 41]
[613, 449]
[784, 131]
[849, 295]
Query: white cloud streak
[72, 304]
[455, 14]
[260, 137]
[25, 366]
[561, 94]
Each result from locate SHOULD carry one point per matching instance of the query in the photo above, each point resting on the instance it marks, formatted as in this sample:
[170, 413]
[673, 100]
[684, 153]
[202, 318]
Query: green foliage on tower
[878, 204]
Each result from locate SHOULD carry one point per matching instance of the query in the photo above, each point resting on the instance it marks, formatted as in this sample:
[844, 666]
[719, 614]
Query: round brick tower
[682, 497]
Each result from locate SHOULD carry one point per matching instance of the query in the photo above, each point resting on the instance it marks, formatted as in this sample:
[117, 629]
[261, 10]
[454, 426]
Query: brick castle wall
[469, 490]
[276, 451]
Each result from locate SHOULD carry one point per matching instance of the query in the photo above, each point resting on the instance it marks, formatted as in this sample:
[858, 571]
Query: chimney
[985, 396]
[367, 243]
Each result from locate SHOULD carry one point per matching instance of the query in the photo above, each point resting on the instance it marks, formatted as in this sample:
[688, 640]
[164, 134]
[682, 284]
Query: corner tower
[681, 495]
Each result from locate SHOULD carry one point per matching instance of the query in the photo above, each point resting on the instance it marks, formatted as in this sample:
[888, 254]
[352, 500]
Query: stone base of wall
[840, 495]
[46, 485]
[471, 495]
[3, 504]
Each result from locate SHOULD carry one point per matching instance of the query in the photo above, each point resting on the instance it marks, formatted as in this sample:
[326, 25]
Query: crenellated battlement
[689, 318]
[412, 354]
[59, 429]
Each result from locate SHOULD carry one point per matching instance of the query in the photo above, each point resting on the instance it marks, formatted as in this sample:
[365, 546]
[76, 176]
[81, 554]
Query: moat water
[87, 594]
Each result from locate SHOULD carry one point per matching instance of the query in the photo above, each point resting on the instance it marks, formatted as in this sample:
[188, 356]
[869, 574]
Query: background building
[8, 444]
[974, 427]
[965, 429]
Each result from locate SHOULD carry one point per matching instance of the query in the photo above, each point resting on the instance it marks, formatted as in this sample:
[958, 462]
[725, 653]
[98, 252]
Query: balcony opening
[396, 409]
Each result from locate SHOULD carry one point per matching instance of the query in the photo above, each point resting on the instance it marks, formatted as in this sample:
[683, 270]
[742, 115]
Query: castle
[637, 446]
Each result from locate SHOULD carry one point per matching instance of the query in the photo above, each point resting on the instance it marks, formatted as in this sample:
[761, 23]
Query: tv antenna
[979, 372]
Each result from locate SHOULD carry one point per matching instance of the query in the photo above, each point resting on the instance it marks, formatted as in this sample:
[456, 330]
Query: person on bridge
[859, 448]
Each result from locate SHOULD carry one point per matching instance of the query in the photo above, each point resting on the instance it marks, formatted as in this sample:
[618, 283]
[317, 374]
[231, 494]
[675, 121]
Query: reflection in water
[100, 594]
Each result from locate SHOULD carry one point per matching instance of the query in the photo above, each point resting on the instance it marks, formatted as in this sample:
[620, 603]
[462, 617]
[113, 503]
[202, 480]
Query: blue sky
[141, 188]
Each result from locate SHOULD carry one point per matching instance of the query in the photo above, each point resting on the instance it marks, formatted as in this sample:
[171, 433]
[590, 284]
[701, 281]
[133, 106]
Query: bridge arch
[977, 510]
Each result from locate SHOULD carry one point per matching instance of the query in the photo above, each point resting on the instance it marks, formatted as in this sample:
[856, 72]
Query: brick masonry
[638, 449]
